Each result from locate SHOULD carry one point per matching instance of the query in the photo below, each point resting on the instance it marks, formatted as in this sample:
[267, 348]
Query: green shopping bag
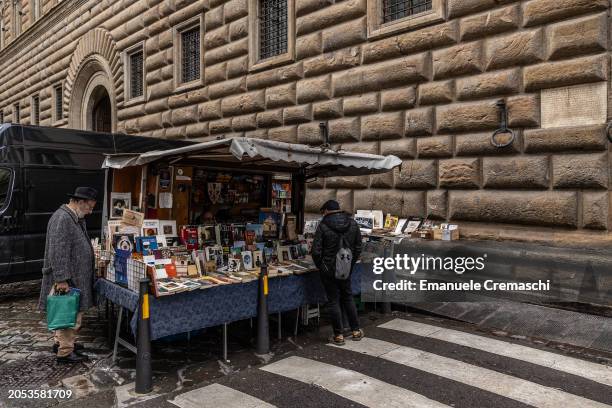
[62, 309]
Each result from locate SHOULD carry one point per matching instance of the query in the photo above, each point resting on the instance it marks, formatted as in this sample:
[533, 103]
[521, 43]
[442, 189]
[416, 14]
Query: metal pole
[144, 374]
[263, 331]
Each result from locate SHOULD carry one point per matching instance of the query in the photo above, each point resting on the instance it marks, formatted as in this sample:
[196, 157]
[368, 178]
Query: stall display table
[219, 305]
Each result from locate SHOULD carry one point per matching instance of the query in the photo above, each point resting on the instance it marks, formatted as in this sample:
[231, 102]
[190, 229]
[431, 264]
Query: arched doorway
[92, 103]
[100, 115]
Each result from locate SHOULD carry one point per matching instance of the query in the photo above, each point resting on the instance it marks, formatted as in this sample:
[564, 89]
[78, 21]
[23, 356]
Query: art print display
[214, 192]
[150, 228]
[124, 242]
[247, 259]
[133, 218]
[365, 223]
[167, 227]
[120, 202]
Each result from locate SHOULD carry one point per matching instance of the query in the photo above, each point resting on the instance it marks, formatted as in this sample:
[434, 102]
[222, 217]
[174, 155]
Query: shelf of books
[195, 228]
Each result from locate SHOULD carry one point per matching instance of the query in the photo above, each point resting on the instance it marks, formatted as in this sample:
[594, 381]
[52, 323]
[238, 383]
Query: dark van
[38, 167]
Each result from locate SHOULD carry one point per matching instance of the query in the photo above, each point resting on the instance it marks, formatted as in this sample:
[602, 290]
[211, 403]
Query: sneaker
[338, 340]
[357, 335]
[77, 347]
[72, 358]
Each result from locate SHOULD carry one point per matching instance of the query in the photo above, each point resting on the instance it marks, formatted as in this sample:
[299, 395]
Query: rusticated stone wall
[427, 95]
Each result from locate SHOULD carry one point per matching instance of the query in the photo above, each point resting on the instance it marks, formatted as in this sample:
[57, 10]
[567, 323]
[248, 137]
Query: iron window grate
[59, 112]
[190, 58]
[36, 110]
[16, 113]
[273, 28]
[396, 9]
[136, 74]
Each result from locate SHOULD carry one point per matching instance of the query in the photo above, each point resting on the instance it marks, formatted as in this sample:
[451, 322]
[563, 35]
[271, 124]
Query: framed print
[150, 228]
[167, 227]
[119, 202]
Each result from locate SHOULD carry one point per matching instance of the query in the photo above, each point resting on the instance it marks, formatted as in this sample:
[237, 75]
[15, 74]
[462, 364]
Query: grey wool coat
[69, 256]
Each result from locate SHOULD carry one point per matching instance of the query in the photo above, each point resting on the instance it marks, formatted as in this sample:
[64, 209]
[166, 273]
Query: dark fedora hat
[84, 193]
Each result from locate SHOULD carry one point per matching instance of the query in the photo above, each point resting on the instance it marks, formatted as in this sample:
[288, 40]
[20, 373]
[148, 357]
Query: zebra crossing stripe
[502, 384]
[350, 384]
[591, 371]
[217, 395]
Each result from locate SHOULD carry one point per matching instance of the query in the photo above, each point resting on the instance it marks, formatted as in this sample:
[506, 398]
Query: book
[150, 228]
[124, 242]
[257, 229]
[247, 259]
[189, 236]
[146, 245]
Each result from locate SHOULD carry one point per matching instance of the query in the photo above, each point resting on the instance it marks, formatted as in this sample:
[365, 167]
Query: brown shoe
[338, 340]
[357, 335]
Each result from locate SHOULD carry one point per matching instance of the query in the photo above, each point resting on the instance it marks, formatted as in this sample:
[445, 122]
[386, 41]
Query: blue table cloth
[214, 306]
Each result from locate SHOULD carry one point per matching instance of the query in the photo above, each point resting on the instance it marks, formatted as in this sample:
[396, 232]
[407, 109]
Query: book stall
[200, 221]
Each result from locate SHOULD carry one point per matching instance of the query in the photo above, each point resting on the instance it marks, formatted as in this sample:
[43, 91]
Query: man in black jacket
[333, 226]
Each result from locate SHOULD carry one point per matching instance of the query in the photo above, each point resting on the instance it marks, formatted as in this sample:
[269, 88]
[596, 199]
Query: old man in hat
[69, 263]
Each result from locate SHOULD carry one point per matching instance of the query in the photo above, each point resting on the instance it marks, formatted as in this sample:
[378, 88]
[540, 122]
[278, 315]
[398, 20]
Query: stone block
[330, 16]
[412, 42]
[404, 148]
[435, 146]
[238, 67]
[257, 134]
[355, 182]
[490, 84]
[297, 114]
[401, 203]
[316, 198]
[303, 7]
[332, 61]
[239, 29]
[437, 204]
[184, 116]
[234, 9]
[344, 35]
[227, 52]
[213, 18]
[196, 130]
[537, 12]
[419, 122]
[416, 174]
[467, 116]
[275, 76]
[161, 90]
[270, 118]
[359, 147]
[217, 37]
[225, 88]
[384, 180]
[308, 45]
[244, 103]
[382, 126]
[581, 138]
[209, 110]
[242, 123]
[572, 72]
[489, 23]
[459, 173]
[385, 75]
[577, 37]
[522, 48]
[581, 171]
[309, 133]
[287, 134]
[458, 8]
[220, 126]
[433, 93]
[344, 130]
[396, 99]
[523, 110]
[595, 207]
[309, 90]
[282, 95]
[150, 122]
[529, 172]
[480, 144]
[358, 105]
[345, 200]
[461, 59]
[327, 109]
[216, 73]
[546, 208]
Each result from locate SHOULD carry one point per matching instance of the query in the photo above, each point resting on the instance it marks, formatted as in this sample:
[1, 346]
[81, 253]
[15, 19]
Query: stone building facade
[419, 79]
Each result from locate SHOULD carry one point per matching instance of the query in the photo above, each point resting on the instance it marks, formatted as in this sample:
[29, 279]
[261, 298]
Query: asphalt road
[404, 361]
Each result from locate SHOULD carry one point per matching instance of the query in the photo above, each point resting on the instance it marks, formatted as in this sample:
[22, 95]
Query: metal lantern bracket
[503, 129]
